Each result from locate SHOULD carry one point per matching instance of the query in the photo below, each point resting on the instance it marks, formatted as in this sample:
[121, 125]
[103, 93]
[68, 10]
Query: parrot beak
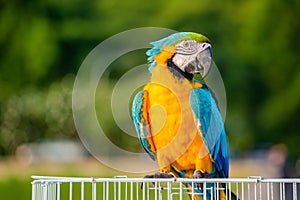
[204, 61]
[201, 62]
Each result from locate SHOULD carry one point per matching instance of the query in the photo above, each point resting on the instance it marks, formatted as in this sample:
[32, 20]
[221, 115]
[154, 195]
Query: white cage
[123, 188]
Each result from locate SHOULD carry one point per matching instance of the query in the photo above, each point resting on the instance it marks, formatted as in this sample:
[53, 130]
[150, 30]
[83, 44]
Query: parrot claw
[200, 174]
[158, 175]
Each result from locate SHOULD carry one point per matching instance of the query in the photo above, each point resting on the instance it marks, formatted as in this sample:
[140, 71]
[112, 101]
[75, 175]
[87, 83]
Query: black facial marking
[190, 68]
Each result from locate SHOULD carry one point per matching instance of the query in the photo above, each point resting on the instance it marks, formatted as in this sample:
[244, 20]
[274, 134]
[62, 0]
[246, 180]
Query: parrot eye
[186, 44]
[187, 47]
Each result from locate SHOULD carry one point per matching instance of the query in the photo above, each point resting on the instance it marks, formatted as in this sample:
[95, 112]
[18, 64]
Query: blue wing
[212, 129]
[141, 124]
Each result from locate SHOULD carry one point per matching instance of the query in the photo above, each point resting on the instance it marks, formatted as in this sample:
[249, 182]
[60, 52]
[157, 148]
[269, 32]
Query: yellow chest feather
[174, 134]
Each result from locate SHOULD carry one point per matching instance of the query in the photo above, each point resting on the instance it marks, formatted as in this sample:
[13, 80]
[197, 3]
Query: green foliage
[255, 44]
[32, 115]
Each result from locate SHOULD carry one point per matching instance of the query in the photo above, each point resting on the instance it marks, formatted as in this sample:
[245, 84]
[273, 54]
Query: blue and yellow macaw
[176, 117]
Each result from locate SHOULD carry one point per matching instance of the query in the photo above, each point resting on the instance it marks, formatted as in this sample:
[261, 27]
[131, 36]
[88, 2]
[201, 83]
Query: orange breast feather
[174, 135]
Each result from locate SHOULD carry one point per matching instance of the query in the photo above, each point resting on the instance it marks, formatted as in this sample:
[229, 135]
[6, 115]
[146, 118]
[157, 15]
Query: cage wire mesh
[123, 188]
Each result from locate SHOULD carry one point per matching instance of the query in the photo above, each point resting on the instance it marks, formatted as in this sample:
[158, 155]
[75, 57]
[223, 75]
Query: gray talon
[200, 174]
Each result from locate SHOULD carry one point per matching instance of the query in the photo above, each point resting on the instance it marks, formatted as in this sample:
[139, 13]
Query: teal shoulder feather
[212, 130]
[140, 123]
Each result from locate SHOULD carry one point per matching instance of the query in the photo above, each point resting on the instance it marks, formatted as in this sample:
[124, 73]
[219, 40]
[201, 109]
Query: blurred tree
[33, 115]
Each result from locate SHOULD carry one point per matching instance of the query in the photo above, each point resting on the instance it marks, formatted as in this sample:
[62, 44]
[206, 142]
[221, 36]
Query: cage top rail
[250, 179]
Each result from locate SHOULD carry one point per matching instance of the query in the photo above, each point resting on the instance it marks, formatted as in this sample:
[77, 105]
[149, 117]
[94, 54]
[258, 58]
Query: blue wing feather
[140, 123]
[212, 129]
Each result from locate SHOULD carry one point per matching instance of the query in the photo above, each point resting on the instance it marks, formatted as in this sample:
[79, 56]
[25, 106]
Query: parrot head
[187, 52]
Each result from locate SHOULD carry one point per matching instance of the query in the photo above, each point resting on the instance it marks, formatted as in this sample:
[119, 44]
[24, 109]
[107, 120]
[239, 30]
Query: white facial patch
[180, 60]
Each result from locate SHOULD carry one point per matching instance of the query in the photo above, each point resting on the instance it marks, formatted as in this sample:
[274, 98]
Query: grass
[14, 188]
[15, 177]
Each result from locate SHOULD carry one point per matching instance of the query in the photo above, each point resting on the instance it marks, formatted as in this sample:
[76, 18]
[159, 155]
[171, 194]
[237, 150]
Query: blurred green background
[256, 47]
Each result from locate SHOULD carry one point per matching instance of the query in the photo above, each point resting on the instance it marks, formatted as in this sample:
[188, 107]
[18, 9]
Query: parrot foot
[200, 174]
[159, 175]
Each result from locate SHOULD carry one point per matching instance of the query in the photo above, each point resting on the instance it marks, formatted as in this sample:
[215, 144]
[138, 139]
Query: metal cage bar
[123, 188]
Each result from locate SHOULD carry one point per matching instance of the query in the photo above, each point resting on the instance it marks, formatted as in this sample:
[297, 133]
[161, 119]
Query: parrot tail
[211, 195]
[222, 194]
[230, 193]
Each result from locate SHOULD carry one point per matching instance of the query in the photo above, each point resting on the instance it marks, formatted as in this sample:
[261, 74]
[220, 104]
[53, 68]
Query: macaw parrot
[176, 117]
